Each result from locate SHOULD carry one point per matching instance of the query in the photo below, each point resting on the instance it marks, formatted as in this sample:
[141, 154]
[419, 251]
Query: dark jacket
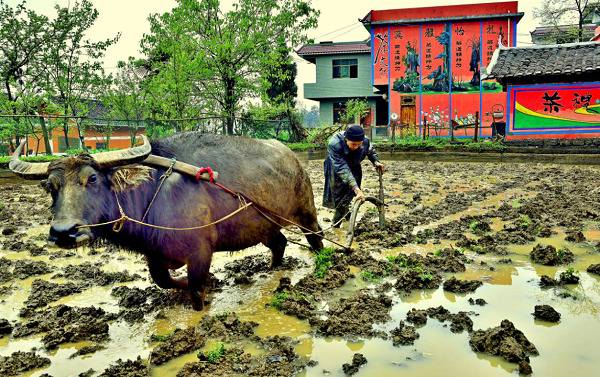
[343, 171]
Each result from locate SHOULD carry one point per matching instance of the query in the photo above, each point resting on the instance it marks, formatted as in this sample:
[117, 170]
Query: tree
[230, 50]
[279, 79]
[567, 12]
[125, 99]
[355, 109]
[73, 64]
[23, 34]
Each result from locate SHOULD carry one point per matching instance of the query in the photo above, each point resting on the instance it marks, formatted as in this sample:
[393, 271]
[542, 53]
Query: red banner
[380, 55]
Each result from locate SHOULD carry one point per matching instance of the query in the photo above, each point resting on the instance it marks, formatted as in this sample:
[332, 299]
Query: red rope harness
[208, 170]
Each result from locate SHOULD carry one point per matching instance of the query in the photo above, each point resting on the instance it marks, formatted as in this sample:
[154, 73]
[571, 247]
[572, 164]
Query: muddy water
[510, 289]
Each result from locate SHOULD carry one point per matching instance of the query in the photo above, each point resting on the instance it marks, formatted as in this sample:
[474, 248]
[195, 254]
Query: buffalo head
[82, 188]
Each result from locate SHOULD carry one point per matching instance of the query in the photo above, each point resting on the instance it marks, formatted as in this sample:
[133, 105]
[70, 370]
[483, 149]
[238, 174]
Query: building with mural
[430, 60]
[552, 91]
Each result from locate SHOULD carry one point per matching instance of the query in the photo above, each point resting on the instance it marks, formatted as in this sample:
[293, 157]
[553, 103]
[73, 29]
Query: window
[339, 108]
[345, 68]
[100, 145]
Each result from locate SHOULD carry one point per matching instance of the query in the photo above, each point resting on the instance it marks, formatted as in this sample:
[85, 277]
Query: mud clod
[478, 301]
[504, 341]
[26, 268]
[87, 350]
[129, 368]
[178, 343]
[461, 286]
[417, 317]
[92, 274]
[44, 292]
[20, 362]
[64, 324]
[5, 327]
[409, 280]
[358, 360]
[404, 335]
[594, 269]
[355, 316]
[546, 313]
[574, 235]
[547, 281]
[549, 256]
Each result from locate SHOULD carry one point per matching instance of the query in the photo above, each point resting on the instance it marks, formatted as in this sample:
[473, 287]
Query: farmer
[343, 173]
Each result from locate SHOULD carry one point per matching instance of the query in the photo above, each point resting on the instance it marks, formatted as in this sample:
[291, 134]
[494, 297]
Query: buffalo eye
[92, 179]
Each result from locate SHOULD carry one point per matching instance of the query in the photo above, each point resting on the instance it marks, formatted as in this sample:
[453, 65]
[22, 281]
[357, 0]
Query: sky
[338, 22]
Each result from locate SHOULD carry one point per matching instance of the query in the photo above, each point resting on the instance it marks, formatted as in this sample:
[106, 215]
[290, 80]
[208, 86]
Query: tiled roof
[330, 48]
[549, 30]
[567, 60]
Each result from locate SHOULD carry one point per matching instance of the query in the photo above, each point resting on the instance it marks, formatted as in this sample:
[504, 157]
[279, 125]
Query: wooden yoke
[180, 167]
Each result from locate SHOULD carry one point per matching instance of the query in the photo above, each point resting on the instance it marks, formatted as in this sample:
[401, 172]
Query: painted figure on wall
[410, 82]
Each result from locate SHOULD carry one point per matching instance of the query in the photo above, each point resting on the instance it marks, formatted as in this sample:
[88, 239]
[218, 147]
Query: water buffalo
[85, 190]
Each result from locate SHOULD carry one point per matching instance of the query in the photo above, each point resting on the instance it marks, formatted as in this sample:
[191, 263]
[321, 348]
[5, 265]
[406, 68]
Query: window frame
[348, 66]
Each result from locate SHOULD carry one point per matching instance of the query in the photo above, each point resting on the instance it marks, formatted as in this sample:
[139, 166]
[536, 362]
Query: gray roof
[309, 51]
[568, 61]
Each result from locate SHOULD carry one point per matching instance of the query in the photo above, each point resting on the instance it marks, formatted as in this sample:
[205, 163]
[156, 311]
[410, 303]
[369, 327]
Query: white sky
[338, 22]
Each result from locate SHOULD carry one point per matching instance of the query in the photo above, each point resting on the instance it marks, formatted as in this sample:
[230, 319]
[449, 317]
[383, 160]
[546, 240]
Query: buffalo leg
[161, 276]
[309, 221]
[198, 266]
[277, 244]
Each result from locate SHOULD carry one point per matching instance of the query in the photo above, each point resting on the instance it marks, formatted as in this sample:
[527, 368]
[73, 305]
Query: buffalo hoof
[198, 300]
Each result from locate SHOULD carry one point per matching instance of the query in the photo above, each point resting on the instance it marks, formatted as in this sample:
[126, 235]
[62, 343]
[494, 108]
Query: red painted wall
[445, 11]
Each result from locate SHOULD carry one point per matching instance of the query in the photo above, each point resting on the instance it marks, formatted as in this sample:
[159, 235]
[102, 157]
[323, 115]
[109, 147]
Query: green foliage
[278, 299]
[370, 276]
[221, 58]
[570, 275]
[524, 221]
[355, 109]
[39, 158]
[473, 226]
[562, 253]
[323, 261]
[516, 203]
[300, 147]
[160, 338]
[423, 274]
[214, 354]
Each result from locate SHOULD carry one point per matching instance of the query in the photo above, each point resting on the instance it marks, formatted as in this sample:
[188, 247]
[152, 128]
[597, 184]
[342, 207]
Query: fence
[60, 133]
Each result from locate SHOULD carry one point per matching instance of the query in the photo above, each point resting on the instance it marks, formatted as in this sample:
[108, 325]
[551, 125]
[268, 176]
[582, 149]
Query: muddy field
[483, 269]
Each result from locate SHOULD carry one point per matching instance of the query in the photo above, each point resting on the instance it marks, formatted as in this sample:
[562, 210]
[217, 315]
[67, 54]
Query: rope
[162, 179]
[118, 223]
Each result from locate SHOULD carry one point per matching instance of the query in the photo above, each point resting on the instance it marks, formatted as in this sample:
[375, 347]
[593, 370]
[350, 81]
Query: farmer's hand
[379, 167]
[359, 195]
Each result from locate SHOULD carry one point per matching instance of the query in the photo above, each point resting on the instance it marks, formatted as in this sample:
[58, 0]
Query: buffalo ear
[129, 176]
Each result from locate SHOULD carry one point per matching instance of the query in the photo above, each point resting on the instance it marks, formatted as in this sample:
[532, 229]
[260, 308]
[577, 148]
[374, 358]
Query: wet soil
[503, 231]
[355, 316]
[546, 313]
[20, 362]
[549, 256]
[461, 286]
[358, 360]
[507, 342]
